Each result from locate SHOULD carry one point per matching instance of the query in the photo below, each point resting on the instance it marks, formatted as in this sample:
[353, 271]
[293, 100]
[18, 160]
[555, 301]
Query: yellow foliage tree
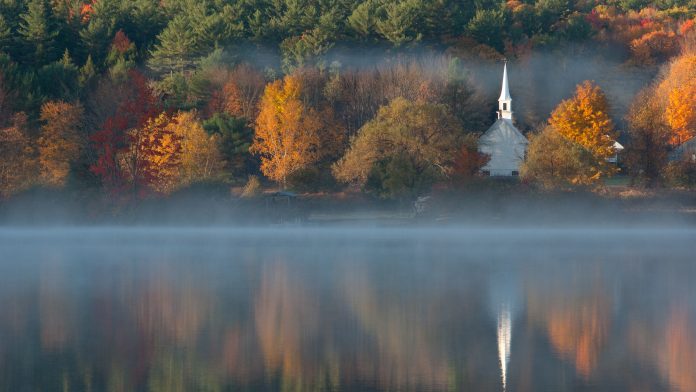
[584, 119]
[60, 142]
[553, 161]
[287, 133]
[201, 159]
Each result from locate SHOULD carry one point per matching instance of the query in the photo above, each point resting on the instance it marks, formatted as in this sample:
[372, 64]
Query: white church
[503, 142]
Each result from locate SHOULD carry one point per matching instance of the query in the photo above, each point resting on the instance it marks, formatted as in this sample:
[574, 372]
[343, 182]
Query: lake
[348, 309]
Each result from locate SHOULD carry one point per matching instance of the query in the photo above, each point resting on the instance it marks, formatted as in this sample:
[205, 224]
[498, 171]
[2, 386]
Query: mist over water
[347, 308]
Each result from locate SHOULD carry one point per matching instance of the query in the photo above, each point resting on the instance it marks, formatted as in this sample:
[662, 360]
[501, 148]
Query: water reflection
[504, 336]
[678, 356]
[336, 311]
[576, 319]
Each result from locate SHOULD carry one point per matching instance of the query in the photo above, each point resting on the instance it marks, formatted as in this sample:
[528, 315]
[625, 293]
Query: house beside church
[685, 151]
[503, 142]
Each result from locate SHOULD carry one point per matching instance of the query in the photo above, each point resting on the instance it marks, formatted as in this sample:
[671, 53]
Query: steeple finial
[505, 100]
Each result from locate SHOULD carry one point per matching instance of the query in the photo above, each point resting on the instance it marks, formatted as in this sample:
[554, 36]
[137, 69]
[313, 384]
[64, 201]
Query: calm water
[348, 309]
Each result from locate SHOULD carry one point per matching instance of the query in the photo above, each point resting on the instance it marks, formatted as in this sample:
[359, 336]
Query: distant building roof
[686, 148]
[505, 146]
[282, 194]
[502, 130]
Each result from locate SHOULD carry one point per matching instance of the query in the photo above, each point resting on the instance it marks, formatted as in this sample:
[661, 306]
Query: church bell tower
[505, 101]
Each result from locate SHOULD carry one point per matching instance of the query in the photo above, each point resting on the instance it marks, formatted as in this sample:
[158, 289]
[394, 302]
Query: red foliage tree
[134, 111]
[121, 43]
[467, 164]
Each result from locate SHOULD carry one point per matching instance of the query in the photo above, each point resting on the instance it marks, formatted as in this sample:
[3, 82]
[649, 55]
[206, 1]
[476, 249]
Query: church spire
[505, 101]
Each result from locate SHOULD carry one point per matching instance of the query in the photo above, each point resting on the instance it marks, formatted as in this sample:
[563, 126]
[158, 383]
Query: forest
[126, 100]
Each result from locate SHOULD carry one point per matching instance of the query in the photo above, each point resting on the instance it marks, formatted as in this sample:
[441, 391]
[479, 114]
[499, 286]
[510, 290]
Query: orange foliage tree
[60, 142]
[238, 93]
[584, 119]
[17, 164]
[151, 161]
[287, 133]
[654, 47]
[681, 112]
[677, 91]
[226, 100]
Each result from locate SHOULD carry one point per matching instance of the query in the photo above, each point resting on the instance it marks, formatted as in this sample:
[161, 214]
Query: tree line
[139, 98]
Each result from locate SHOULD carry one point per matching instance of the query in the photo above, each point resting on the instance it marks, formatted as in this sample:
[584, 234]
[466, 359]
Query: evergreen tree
[38, 32]
[488, 27]
[88, 73]
[363, 19]
[177, 48]
[96, 37]
[5, 35]
[400, 22]
[59, 80]
[235, 137]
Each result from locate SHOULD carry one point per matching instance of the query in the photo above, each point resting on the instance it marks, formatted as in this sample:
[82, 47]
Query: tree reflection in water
[397, 315]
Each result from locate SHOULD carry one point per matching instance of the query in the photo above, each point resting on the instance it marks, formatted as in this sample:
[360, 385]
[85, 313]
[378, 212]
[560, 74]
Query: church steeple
[505, 101]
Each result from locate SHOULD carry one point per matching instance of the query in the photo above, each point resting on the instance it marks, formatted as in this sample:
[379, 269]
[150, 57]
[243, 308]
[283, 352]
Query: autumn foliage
[554, 162]
[680, 89]
[649, 138]
[237, 93]
[403, 150]
[655, 46]
[17, 166]
[287, 133]
[201, 159]
[468, 162]
[584, 119]
[151, 161]
[118, 133]
[574, 148]
[61, 141]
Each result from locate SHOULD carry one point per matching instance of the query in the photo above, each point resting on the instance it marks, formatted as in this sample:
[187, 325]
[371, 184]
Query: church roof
[505, 91]
[502, 130]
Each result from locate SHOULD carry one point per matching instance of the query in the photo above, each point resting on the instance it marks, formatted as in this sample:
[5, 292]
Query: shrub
[681, 173]
[252, 187]
[399, 177]
[312, 179]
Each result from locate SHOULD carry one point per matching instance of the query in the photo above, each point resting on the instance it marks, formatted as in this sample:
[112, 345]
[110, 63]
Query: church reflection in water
[387, 317]
[504, 337]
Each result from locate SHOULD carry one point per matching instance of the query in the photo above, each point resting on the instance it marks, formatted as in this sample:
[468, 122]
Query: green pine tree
[38, 32]
[88, 73]
[5, 35]
[400, 22]
[363, 18]
[177, 49]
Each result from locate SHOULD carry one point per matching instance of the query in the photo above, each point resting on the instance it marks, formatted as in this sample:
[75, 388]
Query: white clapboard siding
[506, 147]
